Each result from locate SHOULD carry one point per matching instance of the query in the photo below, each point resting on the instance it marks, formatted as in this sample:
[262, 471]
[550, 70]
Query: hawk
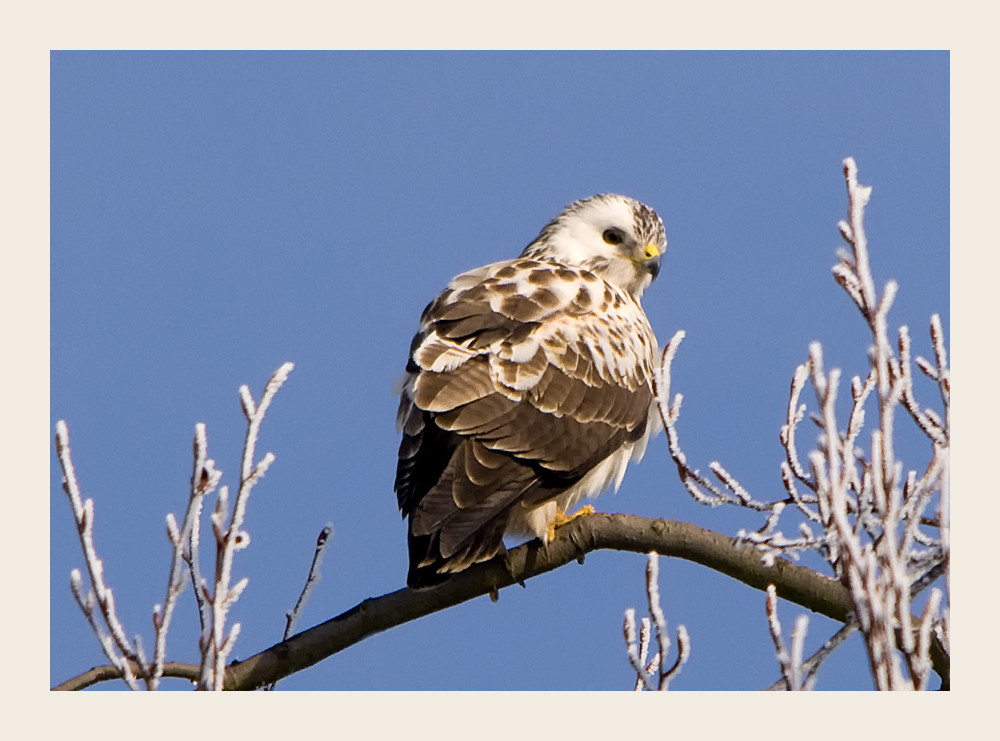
[528, 387]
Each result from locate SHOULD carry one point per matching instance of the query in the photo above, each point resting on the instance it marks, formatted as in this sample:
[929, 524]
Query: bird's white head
[616, 237]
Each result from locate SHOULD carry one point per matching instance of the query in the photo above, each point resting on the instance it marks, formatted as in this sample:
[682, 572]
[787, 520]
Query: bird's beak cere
[651, 260]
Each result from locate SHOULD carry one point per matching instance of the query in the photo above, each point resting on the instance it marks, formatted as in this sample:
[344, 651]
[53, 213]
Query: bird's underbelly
[535, 521]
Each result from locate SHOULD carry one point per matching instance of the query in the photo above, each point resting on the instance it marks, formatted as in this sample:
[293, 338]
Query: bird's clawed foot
[562, 518]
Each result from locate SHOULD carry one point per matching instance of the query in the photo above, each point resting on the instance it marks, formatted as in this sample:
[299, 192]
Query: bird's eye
[613, 235]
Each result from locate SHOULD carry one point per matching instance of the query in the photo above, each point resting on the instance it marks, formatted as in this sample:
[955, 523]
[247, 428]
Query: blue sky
[216, 214]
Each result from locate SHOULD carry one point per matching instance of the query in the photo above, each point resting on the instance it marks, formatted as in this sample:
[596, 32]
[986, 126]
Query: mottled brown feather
[487, 435]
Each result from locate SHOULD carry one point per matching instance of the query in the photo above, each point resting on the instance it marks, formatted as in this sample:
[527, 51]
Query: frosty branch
[128, 660]
[654, 675]
[874, 535]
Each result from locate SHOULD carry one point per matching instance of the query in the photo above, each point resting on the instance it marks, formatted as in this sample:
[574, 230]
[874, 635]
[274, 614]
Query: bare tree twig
[653, 675]
[128, 662]
[116, 647]
[232, 538]
[703, 490]
[810, 666]
[311, 580]
[795, 674]
[871, 515]
[292, 616]
[204, 479]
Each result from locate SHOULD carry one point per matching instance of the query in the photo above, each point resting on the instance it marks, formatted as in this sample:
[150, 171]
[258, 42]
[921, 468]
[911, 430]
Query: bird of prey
[528, 387]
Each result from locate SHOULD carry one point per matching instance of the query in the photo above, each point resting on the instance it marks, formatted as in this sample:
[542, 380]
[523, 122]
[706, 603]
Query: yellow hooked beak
[651, 259]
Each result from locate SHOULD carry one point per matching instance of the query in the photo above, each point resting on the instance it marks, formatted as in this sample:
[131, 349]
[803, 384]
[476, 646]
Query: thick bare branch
[581, 536]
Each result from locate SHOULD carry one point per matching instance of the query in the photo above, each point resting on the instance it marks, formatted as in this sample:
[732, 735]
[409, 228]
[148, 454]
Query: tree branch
[582, 535]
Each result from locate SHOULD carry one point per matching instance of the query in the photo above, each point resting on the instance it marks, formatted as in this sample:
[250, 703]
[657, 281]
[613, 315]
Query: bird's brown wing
[522, 378]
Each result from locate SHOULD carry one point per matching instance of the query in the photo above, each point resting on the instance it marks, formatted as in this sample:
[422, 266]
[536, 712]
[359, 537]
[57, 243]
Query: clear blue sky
[216, 214]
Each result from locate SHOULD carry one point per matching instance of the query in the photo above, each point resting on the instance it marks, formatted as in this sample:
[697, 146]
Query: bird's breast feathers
[524, 316]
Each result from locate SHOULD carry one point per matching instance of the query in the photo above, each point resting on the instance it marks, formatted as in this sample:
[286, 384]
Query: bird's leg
[562, 518]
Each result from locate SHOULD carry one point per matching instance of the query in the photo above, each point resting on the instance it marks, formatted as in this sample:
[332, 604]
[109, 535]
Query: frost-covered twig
[698, 486]
[810, 667]
[204, 479]
[653, 675]
[131, 661]
[880, 570]
[770, 541]
[793, 669]
[230, 538]
[115, 644]
[860, 510]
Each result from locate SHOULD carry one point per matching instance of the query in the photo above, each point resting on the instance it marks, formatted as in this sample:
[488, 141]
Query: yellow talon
[562, 518]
